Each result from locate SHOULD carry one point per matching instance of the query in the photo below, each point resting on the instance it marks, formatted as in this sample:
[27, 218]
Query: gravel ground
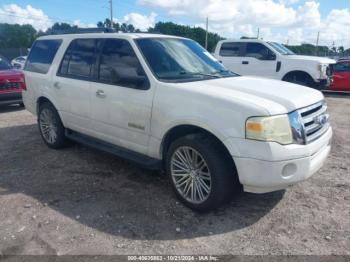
[81, 201]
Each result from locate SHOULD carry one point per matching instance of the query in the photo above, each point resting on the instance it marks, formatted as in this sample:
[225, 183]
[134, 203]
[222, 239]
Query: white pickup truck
[165, 102]
[254, 57]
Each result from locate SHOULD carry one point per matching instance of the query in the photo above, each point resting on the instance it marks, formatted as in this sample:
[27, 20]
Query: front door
[121, 97]
[258, 60]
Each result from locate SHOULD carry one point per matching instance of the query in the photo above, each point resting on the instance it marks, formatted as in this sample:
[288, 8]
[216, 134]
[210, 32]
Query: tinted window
[258, 51]
[120, 66]
[230, 49]
[41, 55]
[4, 64]
[180, 60]
[342, 67]
[79, 58]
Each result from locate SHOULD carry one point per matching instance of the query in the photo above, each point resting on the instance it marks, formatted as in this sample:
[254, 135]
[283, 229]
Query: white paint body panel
[220, 106]
[267, 69]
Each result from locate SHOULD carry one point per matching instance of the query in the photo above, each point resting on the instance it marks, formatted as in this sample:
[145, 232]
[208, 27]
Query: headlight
[271, 128]
[323, 69]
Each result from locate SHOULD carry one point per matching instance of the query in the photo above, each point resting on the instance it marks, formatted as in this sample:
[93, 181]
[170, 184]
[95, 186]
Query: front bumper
[8, 98]
[267, 175]
[323, 84]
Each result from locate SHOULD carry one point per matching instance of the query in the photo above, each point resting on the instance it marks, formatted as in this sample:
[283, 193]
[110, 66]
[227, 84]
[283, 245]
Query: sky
[286, 21]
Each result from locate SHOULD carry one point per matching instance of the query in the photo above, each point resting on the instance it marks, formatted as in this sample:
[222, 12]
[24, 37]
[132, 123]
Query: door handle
[245, 62]
[100, 94]
[57, 85]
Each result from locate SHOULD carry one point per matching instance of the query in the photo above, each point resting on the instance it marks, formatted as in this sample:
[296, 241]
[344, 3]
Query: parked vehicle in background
[341, 77]
[11, 84]
[254, 57]
[19, 62]
[165, 102]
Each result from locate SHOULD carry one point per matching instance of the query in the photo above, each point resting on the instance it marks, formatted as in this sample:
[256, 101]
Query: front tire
[300, 79]
[201, 173]
[50, 125]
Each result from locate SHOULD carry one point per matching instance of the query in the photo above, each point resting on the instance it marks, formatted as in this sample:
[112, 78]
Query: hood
[272, 96]
[321, 60]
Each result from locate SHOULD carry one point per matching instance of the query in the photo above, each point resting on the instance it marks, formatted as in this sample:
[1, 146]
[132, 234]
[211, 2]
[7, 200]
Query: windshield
[180, 60]
[281, 48]
[4, 65]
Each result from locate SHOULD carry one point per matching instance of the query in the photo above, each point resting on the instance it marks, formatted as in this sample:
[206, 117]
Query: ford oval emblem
[321, 119]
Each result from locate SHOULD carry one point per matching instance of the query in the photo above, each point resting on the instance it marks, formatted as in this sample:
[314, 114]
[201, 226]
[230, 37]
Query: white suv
[254, 57]
[164, 102]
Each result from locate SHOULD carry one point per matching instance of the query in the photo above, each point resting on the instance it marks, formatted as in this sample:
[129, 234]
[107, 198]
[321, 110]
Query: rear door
[230, 55]
[121, 97]
[258, 60]
[38, 69]
[72, 85]
[341, 77]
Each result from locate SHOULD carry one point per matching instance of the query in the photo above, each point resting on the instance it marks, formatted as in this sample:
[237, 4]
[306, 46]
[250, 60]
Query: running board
[137, 158]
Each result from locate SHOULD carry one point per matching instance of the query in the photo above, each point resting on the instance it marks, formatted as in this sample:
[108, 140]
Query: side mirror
[139, 82]
[271, 57]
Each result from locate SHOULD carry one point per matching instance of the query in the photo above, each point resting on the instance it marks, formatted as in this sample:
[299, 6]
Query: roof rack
[84, 31]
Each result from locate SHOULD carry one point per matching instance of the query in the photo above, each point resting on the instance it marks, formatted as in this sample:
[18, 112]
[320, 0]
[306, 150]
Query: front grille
[9, 86]
[315, 120]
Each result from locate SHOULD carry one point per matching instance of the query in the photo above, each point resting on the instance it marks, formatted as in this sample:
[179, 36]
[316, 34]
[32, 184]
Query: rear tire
[202, 174]
[51, 128]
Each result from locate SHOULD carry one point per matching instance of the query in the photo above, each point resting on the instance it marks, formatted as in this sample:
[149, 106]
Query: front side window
[79, 58]
[342, 67]
[259, 51]
[180, 60]
[230, 49]
[41, 55]
[119, 65]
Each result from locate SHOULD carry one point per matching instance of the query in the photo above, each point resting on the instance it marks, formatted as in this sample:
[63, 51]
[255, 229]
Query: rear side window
[41, 55]
[342, 67]
[79, 58]
[230, 49]
[119, 65]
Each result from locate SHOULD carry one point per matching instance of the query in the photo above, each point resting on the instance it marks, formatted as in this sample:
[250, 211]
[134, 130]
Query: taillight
[23, 83]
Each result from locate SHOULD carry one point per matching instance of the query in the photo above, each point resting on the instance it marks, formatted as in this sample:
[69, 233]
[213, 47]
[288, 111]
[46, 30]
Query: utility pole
[206, 34]
[111, 11]
[258, 33]
[317, 41]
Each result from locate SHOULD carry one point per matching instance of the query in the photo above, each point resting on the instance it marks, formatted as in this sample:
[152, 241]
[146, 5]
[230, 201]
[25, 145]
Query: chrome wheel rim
[191, 175]
[48, 126]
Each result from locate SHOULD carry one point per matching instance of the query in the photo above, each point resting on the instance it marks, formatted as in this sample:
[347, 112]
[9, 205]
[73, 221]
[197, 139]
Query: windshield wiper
[200, 74]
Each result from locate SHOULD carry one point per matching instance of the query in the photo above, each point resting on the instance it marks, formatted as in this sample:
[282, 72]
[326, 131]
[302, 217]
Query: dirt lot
[82, 201]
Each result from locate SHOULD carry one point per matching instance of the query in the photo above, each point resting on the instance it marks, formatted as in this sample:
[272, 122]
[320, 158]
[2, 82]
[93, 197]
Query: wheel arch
[186, 129]
[43, 99]
[296, 72]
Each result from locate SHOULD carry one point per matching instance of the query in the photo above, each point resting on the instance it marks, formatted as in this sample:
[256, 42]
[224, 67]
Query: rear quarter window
[41, 55]
[230, 49]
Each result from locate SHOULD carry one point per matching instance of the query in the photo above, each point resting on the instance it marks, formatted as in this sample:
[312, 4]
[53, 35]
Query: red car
[11, 84]
[341, 77]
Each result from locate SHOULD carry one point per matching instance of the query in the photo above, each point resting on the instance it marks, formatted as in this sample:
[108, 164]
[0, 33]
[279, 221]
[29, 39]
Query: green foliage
[16, 36]
[195, 33]
[309, 49]
[22, 36]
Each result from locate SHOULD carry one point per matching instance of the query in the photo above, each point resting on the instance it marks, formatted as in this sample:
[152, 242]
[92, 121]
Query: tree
[16, 36]
[60, 28]
[195, 33]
